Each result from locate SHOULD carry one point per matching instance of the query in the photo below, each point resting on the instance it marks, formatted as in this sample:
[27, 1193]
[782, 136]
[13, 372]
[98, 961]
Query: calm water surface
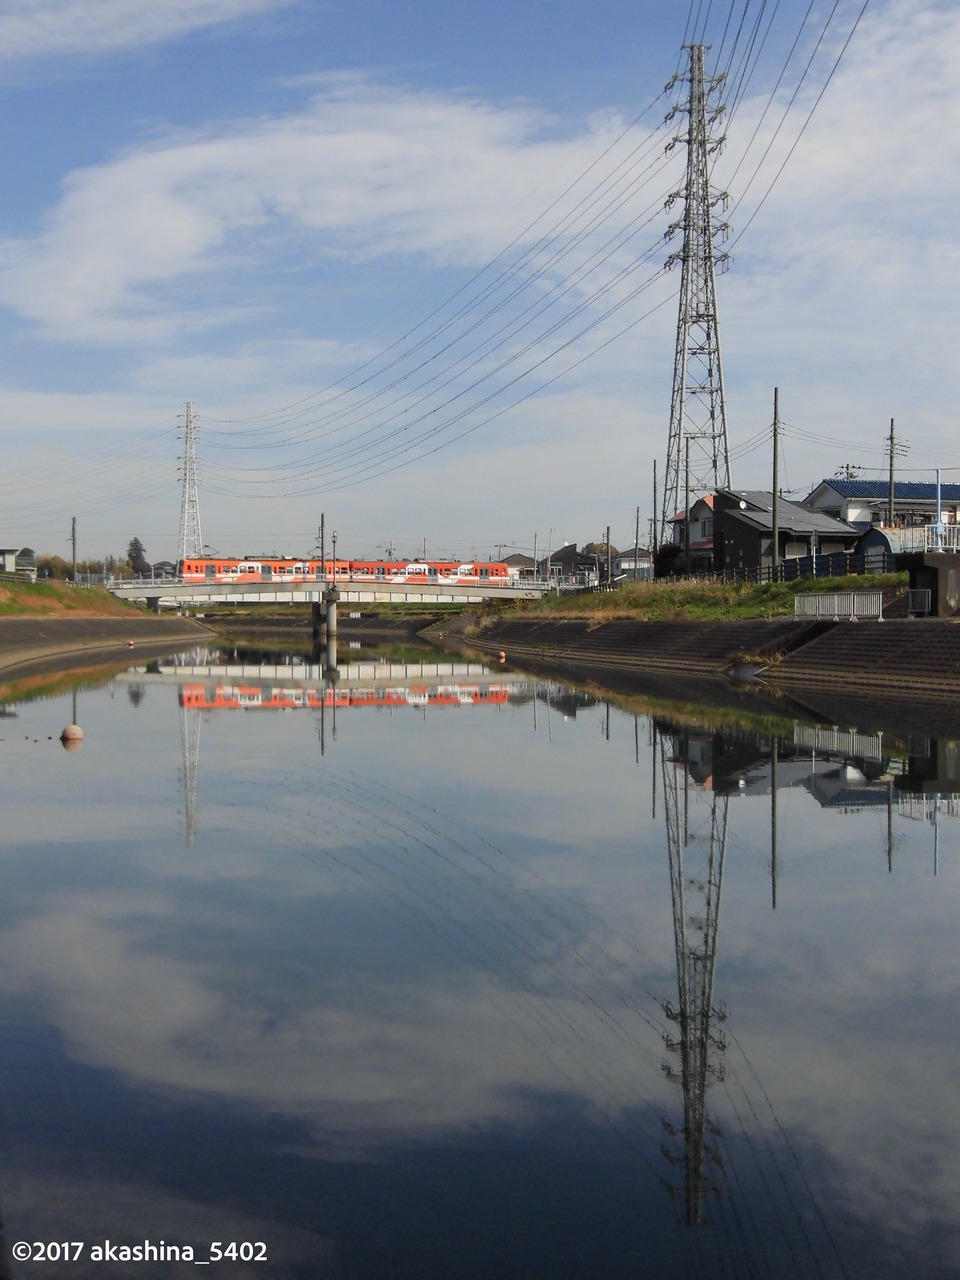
[473, 975]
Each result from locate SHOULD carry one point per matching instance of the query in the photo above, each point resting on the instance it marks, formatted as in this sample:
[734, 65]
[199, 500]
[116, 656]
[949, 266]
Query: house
[637, 563]
[19, 560]
[700, 558]
[26, 562]
[743, 533]
[561, 563]
[867, 502]
[520, 568]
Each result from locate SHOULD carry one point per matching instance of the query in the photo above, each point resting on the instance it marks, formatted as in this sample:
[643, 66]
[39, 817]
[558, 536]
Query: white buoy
[72, 737]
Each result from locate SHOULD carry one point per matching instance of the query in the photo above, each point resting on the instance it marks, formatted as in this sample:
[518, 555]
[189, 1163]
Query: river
[449, 970]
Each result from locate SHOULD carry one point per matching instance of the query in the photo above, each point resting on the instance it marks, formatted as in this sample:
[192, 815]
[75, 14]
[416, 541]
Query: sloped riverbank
[910, 656]
[33, 643]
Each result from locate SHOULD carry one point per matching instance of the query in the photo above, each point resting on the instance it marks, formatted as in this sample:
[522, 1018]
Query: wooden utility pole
[775, 514]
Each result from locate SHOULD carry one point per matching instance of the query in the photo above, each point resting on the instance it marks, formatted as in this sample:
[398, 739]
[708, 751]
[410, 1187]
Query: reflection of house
[743, 531]
[844, 787]
[867, 502]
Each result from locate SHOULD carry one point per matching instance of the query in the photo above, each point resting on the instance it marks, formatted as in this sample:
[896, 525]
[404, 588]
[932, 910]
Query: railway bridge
[171, 594]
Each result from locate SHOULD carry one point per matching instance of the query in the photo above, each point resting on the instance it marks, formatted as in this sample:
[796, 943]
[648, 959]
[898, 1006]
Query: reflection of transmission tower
[191, 540]
[698, 419]
[190, 742]
[696, 875]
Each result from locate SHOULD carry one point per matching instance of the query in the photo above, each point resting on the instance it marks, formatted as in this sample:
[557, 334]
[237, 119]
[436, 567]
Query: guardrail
[929, 537]
[856, 606]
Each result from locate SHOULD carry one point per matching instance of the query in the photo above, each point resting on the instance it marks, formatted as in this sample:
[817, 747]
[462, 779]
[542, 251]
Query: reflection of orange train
[278, 569]
[202, 697]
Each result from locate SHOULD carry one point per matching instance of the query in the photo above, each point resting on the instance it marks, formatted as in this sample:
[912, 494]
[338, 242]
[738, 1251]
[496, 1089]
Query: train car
[487, 574]
[282, 569]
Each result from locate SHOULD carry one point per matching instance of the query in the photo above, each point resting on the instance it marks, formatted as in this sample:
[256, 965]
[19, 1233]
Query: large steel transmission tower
[191, 539]
[698, 419]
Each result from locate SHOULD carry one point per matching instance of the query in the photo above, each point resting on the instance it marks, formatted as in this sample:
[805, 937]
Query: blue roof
[903, 490]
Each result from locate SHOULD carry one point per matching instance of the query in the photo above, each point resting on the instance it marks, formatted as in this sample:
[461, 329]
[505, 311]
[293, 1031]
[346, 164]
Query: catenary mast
[697, 409]
[191, 540]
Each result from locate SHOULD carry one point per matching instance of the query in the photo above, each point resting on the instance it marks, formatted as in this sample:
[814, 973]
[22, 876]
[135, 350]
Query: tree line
[132, 565]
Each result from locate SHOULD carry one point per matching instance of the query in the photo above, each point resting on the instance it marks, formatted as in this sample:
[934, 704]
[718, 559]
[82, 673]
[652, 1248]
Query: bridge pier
[324, 616]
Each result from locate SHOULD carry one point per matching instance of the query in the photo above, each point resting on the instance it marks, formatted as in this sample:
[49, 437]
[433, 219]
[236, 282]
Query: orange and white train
[276, 569]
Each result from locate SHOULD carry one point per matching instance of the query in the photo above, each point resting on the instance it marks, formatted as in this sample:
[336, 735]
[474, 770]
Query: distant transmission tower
[698, 417]
[191, 540]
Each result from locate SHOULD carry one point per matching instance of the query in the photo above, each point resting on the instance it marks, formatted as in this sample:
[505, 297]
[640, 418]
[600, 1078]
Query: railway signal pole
[697, 406]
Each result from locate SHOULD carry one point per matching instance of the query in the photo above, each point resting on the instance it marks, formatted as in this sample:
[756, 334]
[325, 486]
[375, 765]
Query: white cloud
[365, 171]
[44, 28]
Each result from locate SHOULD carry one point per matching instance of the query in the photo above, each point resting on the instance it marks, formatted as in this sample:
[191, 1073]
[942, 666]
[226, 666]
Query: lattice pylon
[698, 418]
[190, 543]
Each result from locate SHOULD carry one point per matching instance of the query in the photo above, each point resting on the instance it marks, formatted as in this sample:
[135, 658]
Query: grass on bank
[57, 599]
[696, 600]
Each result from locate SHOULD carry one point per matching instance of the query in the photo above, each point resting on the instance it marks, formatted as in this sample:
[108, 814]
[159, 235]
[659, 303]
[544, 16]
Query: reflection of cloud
[371, 1055]
[93, 1210]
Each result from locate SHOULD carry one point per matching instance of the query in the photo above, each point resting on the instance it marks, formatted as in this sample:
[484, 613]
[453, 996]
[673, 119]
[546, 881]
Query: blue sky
[405, 261]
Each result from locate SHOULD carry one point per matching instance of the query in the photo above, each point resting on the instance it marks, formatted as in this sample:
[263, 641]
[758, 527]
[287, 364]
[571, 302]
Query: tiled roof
[757, 511]
[903, 490]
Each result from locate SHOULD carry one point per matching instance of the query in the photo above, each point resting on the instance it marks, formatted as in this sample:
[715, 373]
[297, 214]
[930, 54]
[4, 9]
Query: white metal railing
[928, 537]
[855, 605]
[828, 740]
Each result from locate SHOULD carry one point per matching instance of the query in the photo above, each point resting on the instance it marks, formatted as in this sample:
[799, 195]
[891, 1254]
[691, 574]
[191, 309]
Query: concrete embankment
[910, 657]
[29, 644]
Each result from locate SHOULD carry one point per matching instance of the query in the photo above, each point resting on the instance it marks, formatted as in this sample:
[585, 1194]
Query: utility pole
[609, 559]
[323, 544]
[697, 407]
[891, 504]
[775, 514]
[654, 541]
[636, 548]
[73, 540]
[686, 509]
